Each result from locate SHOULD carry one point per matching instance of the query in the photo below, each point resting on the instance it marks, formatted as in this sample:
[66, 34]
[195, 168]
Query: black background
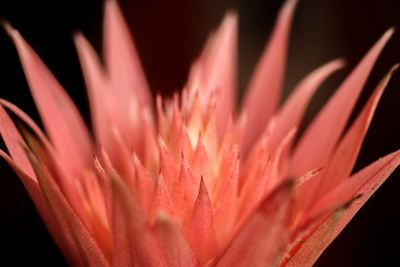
[169, 35]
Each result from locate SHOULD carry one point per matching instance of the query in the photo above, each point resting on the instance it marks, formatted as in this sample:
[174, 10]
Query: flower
[193, 180]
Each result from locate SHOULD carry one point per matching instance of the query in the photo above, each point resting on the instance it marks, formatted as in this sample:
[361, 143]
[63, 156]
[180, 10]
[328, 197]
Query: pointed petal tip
[394, 68]
[385, 80]
[77, 36]
[7, 27]
[15, 36]
[338, 63]
[231, 17]
[110, 4]
[389, 32]
[385, 37]
[290, 5]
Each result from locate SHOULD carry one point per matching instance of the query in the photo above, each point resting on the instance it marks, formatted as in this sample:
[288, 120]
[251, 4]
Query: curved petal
[122, 62]
[61, 236]
[60, 116]
[14, 141]
[87, 246]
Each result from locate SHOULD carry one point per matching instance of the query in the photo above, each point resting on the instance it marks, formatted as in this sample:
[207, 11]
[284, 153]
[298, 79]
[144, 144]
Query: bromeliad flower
[193, 180]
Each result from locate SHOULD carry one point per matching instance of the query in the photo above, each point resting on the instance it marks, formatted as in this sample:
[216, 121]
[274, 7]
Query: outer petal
[130, 92]
[317, 143]
[76, 232]
[263, 236]
[98, 89]
[345, 155]
[71, 139]
[121, 59]
[263, 93]
[13, 140]
[119, 95]
[362, 184]
[61, 236]
[215, 72]
[292, 111]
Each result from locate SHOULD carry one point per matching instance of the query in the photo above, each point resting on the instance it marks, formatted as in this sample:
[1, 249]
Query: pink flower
[193, 180]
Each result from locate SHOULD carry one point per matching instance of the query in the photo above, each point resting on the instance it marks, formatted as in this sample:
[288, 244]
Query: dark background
[169, 35]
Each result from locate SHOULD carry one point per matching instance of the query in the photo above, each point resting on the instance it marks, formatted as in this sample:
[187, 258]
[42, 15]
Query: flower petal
[265, 233]
[176, 248]
[264, 89]
[75, 230]
[291, 113]
[122, 62]
[61, 235]
[134, 242]
[317, 143]
[363, 184]
[71, 140]
[13, 140]
[200, 227]
[97, 87]
[345, 155]
[130, 93]
[215, 71]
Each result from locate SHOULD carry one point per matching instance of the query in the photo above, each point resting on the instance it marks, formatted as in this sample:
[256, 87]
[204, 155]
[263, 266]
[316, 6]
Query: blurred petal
[88, 247]
[14, 142]
[61, 236]
[215, 72]
[121, 59]
[71, 140]
[264, 90]
[97, 88]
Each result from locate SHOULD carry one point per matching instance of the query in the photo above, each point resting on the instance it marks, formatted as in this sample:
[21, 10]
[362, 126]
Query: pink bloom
[193, 180]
